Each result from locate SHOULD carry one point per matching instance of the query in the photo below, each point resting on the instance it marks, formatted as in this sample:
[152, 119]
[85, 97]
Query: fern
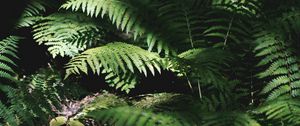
[44, 87]
[202, 66]
[32, 13]
[284, 111]
[229, 119]
[17, 111]
[127, 17]
[282, 65]
[175, 21]
[249, 8]
[8, 50]
[119, 116]
[118, 60]
[7, 115]
[170, 109]
[184, 21]
[66, 34]
[227, 30]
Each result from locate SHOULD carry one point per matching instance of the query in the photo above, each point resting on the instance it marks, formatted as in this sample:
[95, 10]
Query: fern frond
[7, 115]
[229, 119]
[67, 34]
[173, 21]
[32, 13]
[283, 111]
[15, 106]
[282, 64]
[185, 21]
[124, 81]
[224, 28]
[138, 117]
[204, 65]
[127, 16]
[8, 50]
[116, 60]
[250, 8]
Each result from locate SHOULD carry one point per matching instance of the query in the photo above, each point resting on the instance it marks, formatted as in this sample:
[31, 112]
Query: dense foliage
[219, 62]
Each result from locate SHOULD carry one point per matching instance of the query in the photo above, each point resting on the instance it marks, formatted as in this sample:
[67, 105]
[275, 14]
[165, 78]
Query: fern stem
[199, 89]
[189, 28]
[189, 82]
[288, 66]
[251, 88]
[50, 67]
[228, 32]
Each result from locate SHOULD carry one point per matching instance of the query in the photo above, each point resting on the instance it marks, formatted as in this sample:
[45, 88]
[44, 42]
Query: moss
[168, 101]
[103, 101]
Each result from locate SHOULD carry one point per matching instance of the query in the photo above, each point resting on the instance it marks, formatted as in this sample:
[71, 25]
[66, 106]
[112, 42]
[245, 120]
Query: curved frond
[120, 61]
[283, 111]
[67, 34]
[127, 16]
[32, 13]
[138, 117]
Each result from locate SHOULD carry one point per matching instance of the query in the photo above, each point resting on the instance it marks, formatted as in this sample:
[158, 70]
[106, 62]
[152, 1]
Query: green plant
[138, 117]
[211, 46]
[284, 111]
[66, 33]
[8, 50]
[32, 13]
[281, 60]
[119, 61]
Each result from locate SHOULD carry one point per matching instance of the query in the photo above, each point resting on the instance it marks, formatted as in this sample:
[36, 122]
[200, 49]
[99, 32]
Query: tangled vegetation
[152, 63]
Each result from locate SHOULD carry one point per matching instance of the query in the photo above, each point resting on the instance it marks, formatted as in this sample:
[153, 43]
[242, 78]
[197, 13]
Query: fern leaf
[117, 10]
[283, 110]
[8, 50]
[249, 8]
[281, 64]
[119, 61]
[7, 115]
[229, 118]
[66, 34]
[119, 116]
[203, 65]
[32, 13]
